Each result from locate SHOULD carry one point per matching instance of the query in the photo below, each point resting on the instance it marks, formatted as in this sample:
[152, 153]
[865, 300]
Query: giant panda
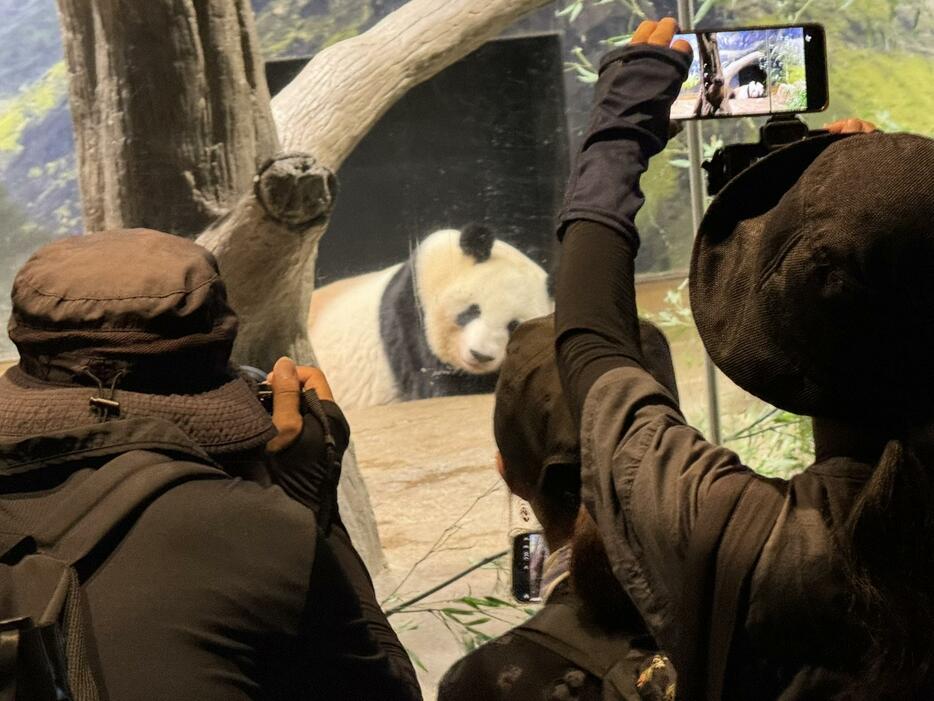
[434, 325]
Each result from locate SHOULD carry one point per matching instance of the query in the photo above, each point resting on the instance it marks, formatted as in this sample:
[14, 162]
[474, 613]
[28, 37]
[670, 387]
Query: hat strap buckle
[108, 407]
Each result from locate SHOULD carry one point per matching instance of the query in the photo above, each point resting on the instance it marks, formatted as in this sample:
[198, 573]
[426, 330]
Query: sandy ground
[440, 507]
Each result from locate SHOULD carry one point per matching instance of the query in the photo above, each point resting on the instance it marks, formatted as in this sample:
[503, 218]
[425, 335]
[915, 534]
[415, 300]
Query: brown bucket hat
[135, 317]
[531, 420]
[812, 278]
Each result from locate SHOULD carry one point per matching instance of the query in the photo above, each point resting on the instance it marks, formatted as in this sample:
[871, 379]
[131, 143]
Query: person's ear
[518, 489]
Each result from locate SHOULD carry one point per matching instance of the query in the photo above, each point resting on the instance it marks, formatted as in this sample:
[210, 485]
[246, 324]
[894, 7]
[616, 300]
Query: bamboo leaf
[493, 601]
[415, 659]
[569, 10]
[457, 612]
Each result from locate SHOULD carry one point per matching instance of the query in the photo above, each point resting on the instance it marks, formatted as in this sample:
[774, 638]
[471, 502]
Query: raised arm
[597, 326]
[646, 474]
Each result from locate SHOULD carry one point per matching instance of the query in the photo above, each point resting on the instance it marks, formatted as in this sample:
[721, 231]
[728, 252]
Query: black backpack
[628, 673]
[46, 647]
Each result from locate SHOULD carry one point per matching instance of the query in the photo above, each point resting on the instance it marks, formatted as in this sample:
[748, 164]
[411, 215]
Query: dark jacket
[221, 589]
[516, 668]
[648, 476]
[648, 479]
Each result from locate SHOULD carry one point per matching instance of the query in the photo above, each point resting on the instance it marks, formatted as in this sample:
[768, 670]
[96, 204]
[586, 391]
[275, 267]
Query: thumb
[286, 412]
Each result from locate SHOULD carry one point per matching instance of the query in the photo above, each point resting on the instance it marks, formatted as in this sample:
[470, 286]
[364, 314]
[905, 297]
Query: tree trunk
[170, 108]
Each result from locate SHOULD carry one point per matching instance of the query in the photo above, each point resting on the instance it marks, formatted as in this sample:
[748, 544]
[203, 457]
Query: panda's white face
[471, 308]
[481, 342]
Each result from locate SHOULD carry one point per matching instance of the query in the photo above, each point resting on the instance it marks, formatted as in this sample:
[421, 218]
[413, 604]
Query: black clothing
[629, 124]
[515, 667]
[221, 589]
[647, 476]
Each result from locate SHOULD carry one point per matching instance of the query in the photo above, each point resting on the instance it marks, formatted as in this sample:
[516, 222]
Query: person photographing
[204, 544]
[811, 288]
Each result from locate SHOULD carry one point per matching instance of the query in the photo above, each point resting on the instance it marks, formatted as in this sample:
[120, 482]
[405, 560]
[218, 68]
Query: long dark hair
[889, 561]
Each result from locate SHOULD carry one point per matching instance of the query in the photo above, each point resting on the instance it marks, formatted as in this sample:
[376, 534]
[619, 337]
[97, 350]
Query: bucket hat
[532, 423]
[812, 277]
[139, 321]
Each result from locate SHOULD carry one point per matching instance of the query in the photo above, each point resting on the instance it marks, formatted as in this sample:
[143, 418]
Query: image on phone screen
[746, 72]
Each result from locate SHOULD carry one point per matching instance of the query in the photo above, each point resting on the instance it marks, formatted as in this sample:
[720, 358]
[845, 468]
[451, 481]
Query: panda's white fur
[750, 90]
[434, 325]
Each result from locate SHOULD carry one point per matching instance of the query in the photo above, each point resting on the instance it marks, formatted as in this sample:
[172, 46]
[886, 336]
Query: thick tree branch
[347, 87]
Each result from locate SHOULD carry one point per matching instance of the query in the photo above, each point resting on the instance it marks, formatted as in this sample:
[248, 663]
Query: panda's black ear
[477, 242]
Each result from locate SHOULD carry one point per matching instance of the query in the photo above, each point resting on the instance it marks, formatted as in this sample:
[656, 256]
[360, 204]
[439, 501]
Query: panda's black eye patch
[469, 314]
[512, 326]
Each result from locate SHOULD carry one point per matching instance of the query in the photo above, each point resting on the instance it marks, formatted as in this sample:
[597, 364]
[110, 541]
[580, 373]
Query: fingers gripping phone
[754, 71]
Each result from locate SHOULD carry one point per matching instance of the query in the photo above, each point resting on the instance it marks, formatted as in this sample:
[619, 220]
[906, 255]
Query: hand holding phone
[660, 33]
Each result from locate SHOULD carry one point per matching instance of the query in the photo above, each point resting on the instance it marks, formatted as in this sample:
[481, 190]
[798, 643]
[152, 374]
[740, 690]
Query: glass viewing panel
[485, 146]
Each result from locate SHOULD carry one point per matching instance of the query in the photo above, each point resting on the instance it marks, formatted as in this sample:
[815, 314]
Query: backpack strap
[328, 506]
[117, 490]
[558, 628]
[725, 546]
[114, 494]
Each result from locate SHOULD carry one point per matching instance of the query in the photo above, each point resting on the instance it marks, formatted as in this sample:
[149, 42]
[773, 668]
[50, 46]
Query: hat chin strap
[107, 407]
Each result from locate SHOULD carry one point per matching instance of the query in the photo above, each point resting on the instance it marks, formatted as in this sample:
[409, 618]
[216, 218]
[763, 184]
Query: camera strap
[312, 404]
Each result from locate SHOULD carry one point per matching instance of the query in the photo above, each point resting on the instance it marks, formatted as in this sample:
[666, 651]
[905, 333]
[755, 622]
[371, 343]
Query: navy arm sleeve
[597, 327]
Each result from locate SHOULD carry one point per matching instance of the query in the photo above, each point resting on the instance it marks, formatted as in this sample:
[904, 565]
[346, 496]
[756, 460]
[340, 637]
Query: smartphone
[754, 71]
[529, 552]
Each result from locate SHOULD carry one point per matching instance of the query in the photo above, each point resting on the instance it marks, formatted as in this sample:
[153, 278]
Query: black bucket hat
[133, 316]
[531, 421]
[812, 277]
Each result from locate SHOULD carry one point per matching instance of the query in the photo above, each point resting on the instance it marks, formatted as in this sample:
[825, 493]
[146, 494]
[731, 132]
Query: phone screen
[529, 552]
[756, 71]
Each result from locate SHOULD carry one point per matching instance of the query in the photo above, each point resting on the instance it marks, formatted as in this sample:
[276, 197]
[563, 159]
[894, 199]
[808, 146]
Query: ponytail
[889, 562]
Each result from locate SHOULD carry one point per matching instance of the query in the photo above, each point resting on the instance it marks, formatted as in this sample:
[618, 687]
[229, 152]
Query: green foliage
[289, 28]
[891, 88]
[581, 65]
[773, 442]
[31, 105]
[798, 98]
[468, 618]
